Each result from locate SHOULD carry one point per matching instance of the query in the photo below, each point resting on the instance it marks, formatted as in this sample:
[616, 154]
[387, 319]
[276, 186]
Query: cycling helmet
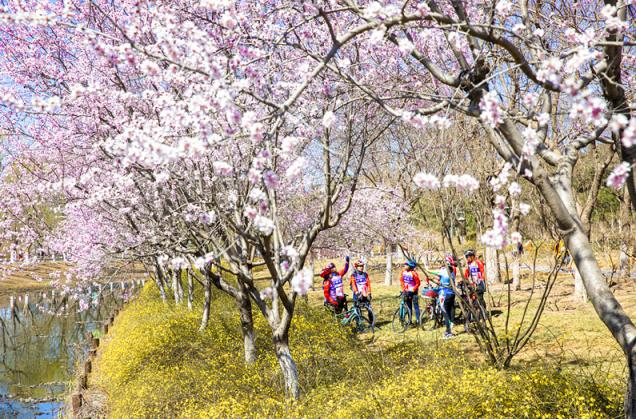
[411, 263]
[450, 260]
[469, 252]
[360, 262]
[330, 266]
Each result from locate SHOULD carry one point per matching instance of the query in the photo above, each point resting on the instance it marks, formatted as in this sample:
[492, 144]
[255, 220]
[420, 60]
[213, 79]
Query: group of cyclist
[445, 279]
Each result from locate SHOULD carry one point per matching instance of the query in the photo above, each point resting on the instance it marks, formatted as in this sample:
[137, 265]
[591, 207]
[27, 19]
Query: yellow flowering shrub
[155, 363]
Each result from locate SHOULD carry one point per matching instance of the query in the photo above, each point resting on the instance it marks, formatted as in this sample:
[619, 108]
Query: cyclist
[446, 298]
[476, 277]
[361, 287]
[410, 283]
[360, 282]
[333, 286]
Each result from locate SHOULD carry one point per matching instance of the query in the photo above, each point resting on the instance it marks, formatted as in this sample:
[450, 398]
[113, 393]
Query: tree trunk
[190, 290]
[312, 266]
[516, 271]
[180, 285]
[247, 328]
[176, 273]
[388, 273]
[287, 364]
[159, 279]
[625, 228]
[624, 268]
[579, 288]
[492, 265]
[630, 396]
[607, 307]
[205, 317]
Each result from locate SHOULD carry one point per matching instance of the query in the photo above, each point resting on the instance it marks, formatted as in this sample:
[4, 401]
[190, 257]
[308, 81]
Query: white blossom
[264, 225]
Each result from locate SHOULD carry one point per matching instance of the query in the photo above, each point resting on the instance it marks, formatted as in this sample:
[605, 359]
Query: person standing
[360, 284]
[476, 277]
[410, 283]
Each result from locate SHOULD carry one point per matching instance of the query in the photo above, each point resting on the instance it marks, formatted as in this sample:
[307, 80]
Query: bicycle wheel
[371, 318]
[363, 325]
[438, 317]
[401, 320]
[426, 316]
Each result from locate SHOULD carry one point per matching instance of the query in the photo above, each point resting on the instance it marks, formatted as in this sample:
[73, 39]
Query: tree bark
[516, 271]
[579, 288]
[175, 286]
[287, 364]
[205, 317]
[159, 279]
[247, 328]
[190, 290]
[180, 285]
[605, 304]
[516, 255]
[388, 273]
[625, 227]
[492, 265]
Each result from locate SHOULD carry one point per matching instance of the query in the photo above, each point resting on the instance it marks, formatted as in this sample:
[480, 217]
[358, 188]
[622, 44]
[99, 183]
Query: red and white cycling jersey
[410, 280]
[336, 286]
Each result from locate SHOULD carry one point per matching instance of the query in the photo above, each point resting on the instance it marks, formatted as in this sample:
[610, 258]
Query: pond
[43, 338]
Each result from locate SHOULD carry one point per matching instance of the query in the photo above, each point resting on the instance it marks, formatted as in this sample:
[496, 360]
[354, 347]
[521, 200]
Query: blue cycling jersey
[445, 281]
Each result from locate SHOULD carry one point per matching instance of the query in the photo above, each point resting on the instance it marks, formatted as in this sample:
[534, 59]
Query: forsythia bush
[157, 364]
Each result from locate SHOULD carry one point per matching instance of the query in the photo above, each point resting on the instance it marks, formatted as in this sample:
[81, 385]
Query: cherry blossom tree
[108, 101]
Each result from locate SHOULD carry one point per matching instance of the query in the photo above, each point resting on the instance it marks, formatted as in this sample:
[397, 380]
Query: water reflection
[42, 338]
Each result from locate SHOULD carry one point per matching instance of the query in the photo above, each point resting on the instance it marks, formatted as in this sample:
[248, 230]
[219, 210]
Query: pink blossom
[294, 171]
[619, 174]
[618, 122]
[423, 9]
[289, 144]
[302, 282]
[462, 182]
[83, 305]
[426, 181]
[518, 29]
[228, 21]
[530, 100]
[490, 111]
[270, 179]
[377, 35]
[328, 119]
[405, 46]
[503, 7]
[263, 225]
[514, 189]
[221, 168]
[257, 131]
[515, 237]
[253, 176]
[550, 70]
[543, 119]
[524, 208]
[629, 134]
[532, 141]
[150, 67]
[250, 213]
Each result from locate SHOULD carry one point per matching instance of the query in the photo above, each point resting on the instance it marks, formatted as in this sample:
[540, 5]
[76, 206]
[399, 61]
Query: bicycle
[354, 317]
[360, 322]
[432, 311]
[402, 316]
[469, 298]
